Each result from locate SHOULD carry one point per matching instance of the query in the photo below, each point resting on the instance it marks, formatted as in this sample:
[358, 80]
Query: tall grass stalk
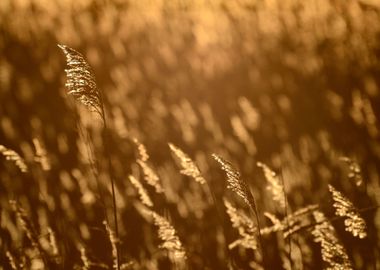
[82, 85]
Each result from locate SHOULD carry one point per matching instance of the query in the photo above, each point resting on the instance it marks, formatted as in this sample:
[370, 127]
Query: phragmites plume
[247, 230]
[113, 240]
[235, 183]
[143, 153]
[189, 167]
[150, 176]
[81, 80]
[144, 197]
[353, 223]
[354, 171]
[275, 185]
[168, 235]
[333, 252]
[13, 156]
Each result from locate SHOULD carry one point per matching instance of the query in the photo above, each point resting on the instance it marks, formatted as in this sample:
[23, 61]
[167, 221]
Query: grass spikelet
[353, 223]
[275, 185]
[26, 225]
[28, 228]
[113, 240]
[144, 197]
[143, 153]
[189, 167]
[150, 176]
[235, 183]
[53, 242]
[41, 155]
[11, 260]
[354, 173]
[81, 80]
[247, 230]
[85, 261]
[87, 264]
[13, 156]
[333, 252]
[168, 235]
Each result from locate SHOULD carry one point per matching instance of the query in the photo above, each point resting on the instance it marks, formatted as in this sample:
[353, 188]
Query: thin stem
[254, 211]
[287, 220]
[220, 218]
[110, 169]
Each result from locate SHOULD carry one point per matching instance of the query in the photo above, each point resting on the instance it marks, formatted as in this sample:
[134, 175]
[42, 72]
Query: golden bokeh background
[293, 84]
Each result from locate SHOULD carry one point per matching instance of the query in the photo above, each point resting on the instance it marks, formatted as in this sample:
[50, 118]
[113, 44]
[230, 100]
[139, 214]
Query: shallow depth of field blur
[292, 84]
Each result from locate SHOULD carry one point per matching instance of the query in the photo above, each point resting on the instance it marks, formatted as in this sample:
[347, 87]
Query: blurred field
[292, 84]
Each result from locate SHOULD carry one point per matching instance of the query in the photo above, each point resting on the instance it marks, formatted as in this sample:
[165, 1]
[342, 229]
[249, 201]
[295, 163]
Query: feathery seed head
[353, 223]
[188, 165]
[81, 80]
[247, 230]
[235, 183]
[150, 176]
[13, 156]
[275, 185]
[144, 197]
[168, 235]
[143, 153]
[333, 252]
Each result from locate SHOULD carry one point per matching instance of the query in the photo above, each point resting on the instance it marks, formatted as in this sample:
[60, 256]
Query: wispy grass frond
[12, 261]
[275, 185]
[85, 261]
[235, 183]
[247, 230]
[168, 235]
[13, 156]
[143, 153]
[144, 197]
[26, 224]
[113, 241]
[353, 223]
[81, 80]
[150, 176]
[53, 242]
[333, 252]
[189, 167]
